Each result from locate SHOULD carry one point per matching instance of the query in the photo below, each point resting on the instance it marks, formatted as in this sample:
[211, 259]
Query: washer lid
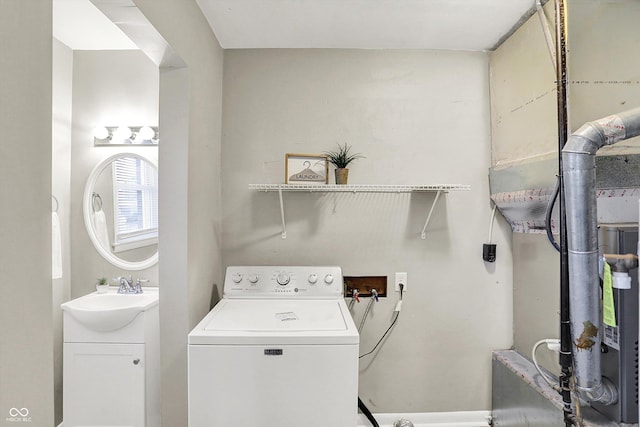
[277, 315]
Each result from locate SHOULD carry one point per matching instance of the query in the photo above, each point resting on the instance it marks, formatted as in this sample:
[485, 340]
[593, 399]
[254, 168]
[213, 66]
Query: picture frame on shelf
[308, 169]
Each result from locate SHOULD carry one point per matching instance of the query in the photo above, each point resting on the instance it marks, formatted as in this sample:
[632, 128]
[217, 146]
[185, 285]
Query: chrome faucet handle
[139, 282]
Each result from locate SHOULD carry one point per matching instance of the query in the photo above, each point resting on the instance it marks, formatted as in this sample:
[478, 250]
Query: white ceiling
[81, 26]
[362, 24]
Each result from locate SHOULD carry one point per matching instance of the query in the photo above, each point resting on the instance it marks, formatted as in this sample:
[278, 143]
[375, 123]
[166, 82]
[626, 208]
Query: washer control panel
[283, 282]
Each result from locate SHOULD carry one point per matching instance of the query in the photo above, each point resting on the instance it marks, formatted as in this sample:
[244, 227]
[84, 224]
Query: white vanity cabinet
[103, 386]
[112, 378]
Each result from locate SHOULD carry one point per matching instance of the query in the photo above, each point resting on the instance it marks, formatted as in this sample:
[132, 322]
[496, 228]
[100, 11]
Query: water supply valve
[356, 295]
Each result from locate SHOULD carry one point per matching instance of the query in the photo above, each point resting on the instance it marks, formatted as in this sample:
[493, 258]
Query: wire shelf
[359, 188]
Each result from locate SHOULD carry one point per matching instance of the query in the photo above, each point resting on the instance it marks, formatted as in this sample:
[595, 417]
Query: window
[135, 195]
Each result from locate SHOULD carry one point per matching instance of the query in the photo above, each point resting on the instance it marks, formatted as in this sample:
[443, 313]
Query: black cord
[395, 319]
[367, 413]
[550, 205]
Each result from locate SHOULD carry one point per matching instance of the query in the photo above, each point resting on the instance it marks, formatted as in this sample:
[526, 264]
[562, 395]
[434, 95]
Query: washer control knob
[237, 278]
[253, 278]
[283, 278]
[328, 279]
[313, 278]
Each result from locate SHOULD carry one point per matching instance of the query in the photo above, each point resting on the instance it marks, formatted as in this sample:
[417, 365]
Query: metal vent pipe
[579, 172]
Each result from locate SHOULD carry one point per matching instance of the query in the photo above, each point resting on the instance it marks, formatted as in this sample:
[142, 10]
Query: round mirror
[120, 208]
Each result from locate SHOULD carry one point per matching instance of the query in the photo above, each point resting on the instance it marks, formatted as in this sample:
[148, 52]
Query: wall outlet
[401, 278]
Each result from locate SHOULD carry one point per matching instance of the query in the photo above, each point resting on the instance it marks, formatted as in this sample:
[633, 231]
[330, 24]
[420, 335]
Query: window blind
[136, 200]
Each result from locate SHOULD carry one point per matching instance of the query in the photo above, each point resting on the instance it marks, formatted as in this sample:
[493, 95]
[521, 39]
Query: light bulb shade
[101, 132]
[137, 138]
[146, 133]
[122, 133]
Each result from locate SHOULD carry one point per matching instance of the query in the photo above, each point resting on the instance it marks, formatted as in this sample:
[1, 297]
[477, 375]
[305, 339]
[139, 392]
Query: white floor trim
[433, 419]
[428, 419]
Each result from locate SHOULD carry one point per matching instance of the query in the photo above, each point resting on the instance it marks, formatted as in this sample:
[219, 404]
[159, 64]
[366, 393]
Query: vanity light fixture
[121, 134]
[125, 135]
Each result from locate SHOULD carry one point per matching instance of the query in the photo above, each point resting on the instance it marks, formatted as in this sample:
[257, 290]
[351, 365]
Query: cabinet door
[104, 385]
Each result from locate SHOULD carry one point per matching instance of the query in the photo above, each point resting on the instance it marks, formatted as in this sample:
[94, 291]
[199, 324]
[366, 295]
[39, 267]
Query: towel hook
[57, 204]
[96, 202]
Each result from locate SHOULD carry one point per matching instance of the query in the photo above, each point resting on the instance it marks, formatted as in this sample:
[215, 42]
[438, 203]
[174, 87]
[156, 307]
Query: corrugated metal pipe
[579, 173]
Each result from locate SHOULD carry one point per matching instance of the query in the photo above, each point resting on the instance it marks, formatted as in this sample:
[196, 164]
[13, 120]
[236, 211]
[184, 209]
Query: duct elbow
[606, 131]
[604, 393]
[585, 141]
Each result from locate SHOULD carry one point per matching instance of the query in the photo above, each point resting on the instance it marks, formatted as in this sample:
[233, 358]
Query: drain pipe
[579, 172]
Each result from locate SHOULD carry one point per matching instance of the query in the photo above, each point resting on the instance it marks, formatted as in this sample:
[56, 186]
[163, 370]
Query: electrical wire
[393, 322]
[547, 216]
[535, 362]
[493, 216]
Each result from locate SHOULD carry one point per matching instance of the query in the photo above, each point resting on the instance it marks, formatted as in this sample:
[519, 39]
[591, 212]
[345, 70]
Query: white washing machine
[280, 349]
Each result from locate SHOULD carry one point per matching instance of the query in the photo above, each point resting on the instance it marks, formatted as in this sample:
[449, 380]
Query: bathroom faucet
[126, 285]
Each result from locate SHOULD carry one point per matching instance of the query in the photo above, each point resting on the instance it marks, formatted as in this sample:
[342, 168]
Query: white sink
[110, 311]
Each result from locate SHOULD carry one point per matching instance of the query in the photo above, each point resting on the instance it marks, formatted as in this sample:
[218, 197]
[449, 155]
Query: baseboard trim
[429, 419]
[435, 419]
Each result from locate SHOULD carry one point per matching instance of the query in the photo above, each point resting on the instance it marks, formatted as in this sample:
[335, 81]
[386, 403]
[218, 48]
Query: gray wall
[190, 205]
[109, 88]
[26, 332]
[420, 117]
[61, 189]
